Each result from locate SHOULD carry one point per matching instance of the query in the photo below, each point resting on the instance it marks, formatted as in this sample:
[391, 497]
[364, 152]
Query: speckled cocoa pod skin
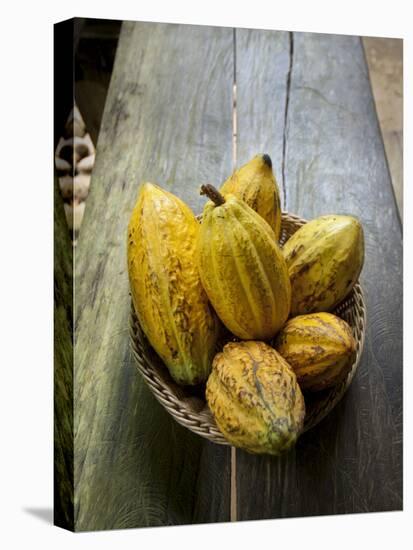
[320, 347]
[255, 398]
[242, 268]
[168, 297]
[255, 184]
[324, 258]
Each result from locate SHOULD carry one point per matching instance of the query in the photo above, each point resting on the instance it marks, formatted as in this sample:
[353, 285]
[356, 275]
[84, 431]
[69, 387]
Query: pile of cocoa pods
[191, 281]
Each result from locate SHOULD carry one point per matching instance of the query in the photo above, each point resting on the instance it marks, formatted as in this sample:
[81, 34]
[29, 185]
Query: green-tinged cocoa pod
[242, 268]
[255, 398]
[255, 184]
[320, 347]
[324, 258]
[168, 297]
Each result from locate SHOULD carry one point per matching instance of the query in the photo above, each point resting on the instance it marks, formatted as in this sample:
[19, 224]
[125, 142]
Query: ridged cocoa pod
[168, 297]
[242, 268]
[324, 258]
[320, 347]
[255, 398]
[255, 184]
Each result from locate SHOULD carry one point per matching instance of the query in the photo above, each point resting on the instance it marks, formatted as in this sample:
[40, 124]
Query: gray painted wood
[167, 119]
[335, 162]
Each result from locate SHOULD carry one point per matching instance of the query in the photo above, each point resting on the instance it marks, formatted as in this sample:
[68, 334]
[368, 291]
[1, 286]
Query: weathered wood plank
[334, 162]
[63, 513]
[261, 72]
[384, 58]
[167, 119]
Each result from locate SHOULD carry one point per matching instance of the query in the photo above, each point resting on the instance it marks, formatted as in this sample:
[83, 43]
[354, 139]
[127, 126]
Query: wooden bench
[304, 99]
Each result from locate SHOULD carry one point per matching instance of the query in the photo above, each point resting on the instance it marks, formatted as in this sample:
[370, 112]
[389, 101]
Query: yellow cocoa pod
[242, 268]
[255, 398]
[255, 184]
[320, 348]
[324, 258]
[168, 297]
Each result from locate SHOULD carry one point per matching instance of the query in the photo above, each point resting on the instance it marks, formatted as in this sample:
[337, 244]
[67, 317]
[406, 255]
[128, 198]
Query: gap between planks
[287, 101]
[233, 485]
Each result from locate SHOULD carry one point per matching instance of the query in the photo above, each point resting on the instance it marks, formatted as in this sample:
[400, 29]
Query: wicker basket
[188, 406]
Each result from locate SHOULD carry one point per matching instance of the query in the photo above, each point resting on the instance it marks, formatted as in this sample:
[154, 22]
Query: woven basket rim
[192, 412]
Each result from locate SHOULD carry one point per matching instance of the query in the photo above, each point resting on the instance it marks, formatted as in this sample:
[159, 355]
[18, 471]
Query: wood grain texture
[167, 120]
[63, 368]
[335, 163]
[384, 58]
[261, 78]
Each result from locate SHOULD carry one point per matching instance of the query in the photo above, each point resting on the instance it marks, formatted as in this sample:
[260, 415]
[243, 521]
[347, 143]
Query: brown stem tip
[212, 193]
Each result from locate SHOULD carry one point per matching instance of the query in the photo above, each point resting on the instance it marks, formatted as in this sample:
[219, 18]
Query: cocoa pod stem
[212, 193]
